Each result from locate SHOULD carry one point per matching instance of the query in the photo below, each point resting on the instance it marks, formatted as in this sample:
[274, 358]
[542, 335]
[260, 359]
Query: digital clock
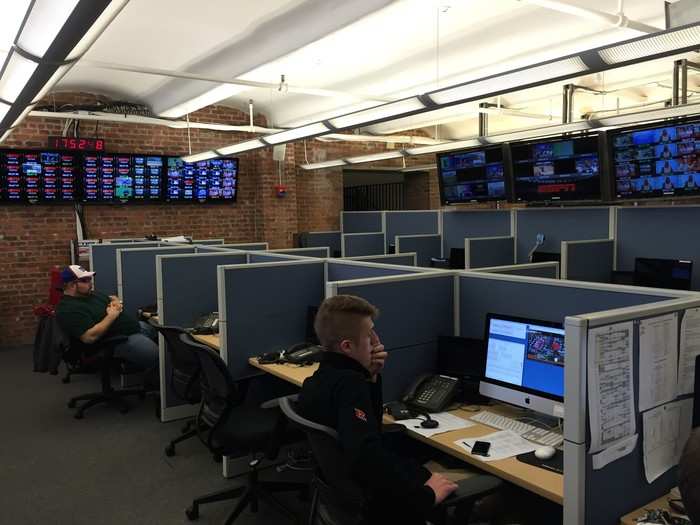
[76, 144]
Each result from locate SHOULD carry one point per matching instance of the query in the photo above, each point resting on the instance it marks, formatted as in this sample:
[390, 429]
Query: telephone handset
[303, 353]
[432, 393]
[207, 324]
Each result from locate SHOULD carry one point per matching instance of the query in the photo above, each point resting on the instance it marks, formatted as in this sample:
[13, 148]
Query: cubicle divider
[425, 247]
[103, 261]
[668, 232]
[588, 260]
[641, 447]
[424, 302]
[559, 224]
[457, 225]
[136, 274]
[332, 239]
[263, 257]
[318, 252]
[344, 270]
[547, 270]
[422, 222]
[406, 259]
[186, 287]
[482, 252]
[356, 244]
[361, 221]
[247, 246]
[200, 248]
[208, 241]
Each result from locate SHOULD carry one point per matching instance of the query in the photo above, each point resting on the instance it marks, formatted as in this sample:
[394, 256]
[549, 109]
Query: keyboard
[532, 433]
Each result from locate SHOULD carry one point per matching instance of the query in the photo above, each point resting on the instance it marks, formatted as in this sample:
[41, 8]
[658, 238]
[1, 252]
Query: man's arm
[93, 333]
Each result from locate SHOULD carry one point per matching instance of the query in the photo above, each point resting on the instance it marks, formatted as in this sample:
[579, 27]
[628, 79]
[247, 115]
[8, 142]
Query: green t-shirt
[76, 315]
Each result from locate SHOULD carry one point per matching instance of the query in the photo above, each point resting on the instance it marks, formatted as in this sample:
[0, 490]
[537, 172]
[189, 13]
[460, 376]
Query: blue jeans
[140, 348]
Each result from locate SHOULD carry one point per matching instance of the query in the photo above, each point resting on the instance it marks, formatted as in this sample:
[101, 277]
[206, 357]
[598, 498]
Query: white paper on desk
[689, 349]
[610, 385]
[666, 429]
[611, 454]
[446, 423]
[658, 360]
[504, 444]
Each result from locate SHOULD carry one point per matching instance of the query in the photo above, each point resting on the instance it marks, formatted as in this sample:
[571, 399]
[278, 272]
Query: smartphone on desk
[481, 448]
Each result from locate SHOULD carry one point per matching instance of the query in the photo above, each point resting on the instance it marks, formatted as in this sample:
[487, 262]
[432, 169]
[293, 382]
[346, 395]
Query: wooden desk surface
[211, 340]
[547, 484]
[661, 503]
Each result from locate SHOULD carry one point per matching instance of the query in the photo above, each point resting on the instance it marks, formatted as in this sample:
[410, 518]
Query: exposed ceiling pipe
[617, 20]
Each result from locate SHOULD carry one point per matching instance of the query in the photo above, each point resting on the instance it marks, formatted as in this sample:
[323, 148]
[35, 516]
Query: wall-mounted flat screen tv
[115, 178]
[207, 181]
[472, 175]
[37, 176]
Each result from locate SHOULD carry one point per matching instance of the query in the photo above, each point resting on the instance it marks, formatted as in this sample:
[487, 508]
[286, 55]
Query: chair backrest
[185, 366]
[343, 497]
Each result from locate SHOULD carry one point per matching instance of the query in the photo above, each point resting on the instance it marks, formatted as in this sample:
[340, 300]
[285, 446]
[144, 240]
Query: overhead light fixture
[684, 38]
[4, 108]
[16, 72]
[205, 99]
[205, 155]
[376, 156]
[326, 164]
[376, 113]
[446, 146]
[241, 146]
[422, 167]
[310, 130]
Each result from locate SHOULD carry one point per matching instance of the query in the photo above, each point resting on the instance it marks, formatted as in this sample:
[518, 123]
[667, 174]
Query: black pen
[466, 444]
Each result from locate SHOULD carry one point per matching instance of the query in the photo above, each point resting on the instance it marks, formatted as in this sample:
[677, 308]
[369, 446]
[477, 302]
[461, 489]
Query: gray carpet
[106, 469]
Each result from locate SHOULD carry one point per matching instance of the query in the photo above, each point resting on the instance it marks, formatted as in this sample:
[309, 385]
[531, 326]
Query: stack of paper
[446, 423]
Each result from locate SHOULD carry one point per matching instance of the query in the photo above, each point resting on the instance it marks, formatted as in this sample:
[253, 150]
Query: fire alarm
[281, 190]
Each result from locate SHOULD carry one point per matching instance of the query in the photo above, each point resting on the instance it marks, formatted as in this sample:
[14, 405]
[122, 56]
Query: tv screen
[37, 176]
[663, 161]
[471, 175]
[208, 181]
[121, 178]
[557, 170]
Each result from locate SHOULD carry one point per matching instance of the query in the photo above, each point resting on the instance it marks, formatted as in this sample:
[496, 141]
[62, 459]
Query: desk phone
[432, 393]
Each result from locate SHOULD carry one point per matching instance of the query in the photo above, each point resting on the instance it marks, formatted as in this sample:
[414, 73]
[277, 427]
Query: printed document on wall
[666, 429]
[658, 360]
[610, 385]
[690, 348]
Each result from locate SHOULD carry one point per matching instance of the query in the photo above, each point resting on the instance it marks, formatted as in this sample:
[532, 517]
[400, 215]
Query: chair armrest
[275, 402]
[476, 486]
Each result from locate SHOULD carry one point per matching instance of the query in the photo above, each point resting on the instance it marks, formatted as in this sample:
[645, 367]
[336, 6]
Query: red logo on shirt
[359, 414]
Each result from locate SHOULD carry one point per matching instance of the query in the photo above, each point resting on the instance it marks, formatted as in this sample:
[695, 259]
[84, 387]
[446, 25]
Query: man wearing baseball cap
[88, 315]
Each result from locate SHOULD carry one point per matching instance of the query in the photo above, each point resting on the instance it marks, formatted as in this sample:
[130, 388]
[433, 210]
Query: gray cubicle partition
[263, 307]
[332, 239]
[558, 224]
[200, 248]
[103, 261]
[249, 246]
[344, 270]
[263, 257]
[355, 244]
[547, 270]
[669, 232]
[410, 223]
[457, 225]
[588, 260]
[593, 496]
[136, 274]
[406, 259]
[480, 252]
[361, 221]
[414, 311]
[186, 289]
[425, 247]
[322, 252]
[208, 241]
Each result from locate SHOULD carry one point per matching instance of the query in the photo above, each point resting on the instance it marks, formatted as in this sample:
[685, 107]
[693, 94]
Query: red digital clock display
[76, 144]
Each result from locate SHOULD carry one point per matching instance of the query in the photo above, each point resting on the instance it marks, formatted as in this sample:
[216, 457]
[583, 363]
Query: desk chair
[237, 430]
[338, 500]
[185, 371]
[103, 354]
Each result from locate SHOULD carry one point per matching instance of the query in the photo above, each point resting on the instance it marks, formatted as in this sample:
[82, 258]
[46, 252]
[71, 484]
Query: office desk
[661, 503]
[211, 340]
[543, 482]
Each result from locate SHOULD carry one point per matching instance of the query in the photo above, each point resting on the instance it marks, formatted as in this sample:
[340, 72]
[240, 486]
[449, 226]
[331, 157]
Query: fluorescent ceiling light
[241, 146]
[376, 156]
[105, 18]
[58, 75]
[645, 116]
[12, 15]
[205, 155]
[422, 167]
[45, 20]
[377, 113]
[547, 72]
[21, 116]
[327, 164]
[17, 72]
[309, 130]
[212, 96]
[665, 42]
[6, 134]
[447, 146]
[4, 108]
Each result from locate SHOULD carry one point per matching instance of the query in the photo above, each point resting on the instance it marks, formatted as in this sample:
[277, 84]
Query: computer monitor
[538, 257]
[310, 335]
[663, 273]
[525, 363]
[457, 258]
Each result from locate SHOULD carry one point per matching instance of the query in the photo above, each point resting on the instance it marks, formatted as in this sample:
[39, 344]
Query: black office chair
[101, 356]
[185, 371]
[338, 500]
[235, 429]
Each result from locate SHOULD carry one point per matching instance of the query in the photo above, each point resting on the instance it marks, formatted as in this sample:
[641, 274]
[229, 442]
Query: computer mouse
[545, 452]
[429, 423]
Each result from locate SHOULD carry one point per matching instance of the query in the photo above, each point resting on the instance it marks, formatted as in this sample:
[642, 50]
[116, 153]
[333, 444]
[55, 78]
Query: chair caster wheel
[192, 513]
[71, 404]
[78, 415]
[170, 451]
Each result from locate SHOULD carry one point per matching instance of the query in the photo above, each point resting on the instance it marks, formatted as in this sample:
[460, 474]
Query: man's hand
[378, 356]
[115, 299]
[114, 309]
[441, 486]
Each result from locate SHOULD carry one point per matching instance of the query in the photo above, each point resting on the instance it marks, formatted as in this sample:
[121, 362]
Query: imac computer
[525, 363]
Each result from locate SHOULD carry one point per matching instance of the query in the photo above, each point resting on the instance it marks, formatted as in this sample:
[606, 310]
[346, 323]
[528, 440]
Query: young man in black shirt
[346, 394]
